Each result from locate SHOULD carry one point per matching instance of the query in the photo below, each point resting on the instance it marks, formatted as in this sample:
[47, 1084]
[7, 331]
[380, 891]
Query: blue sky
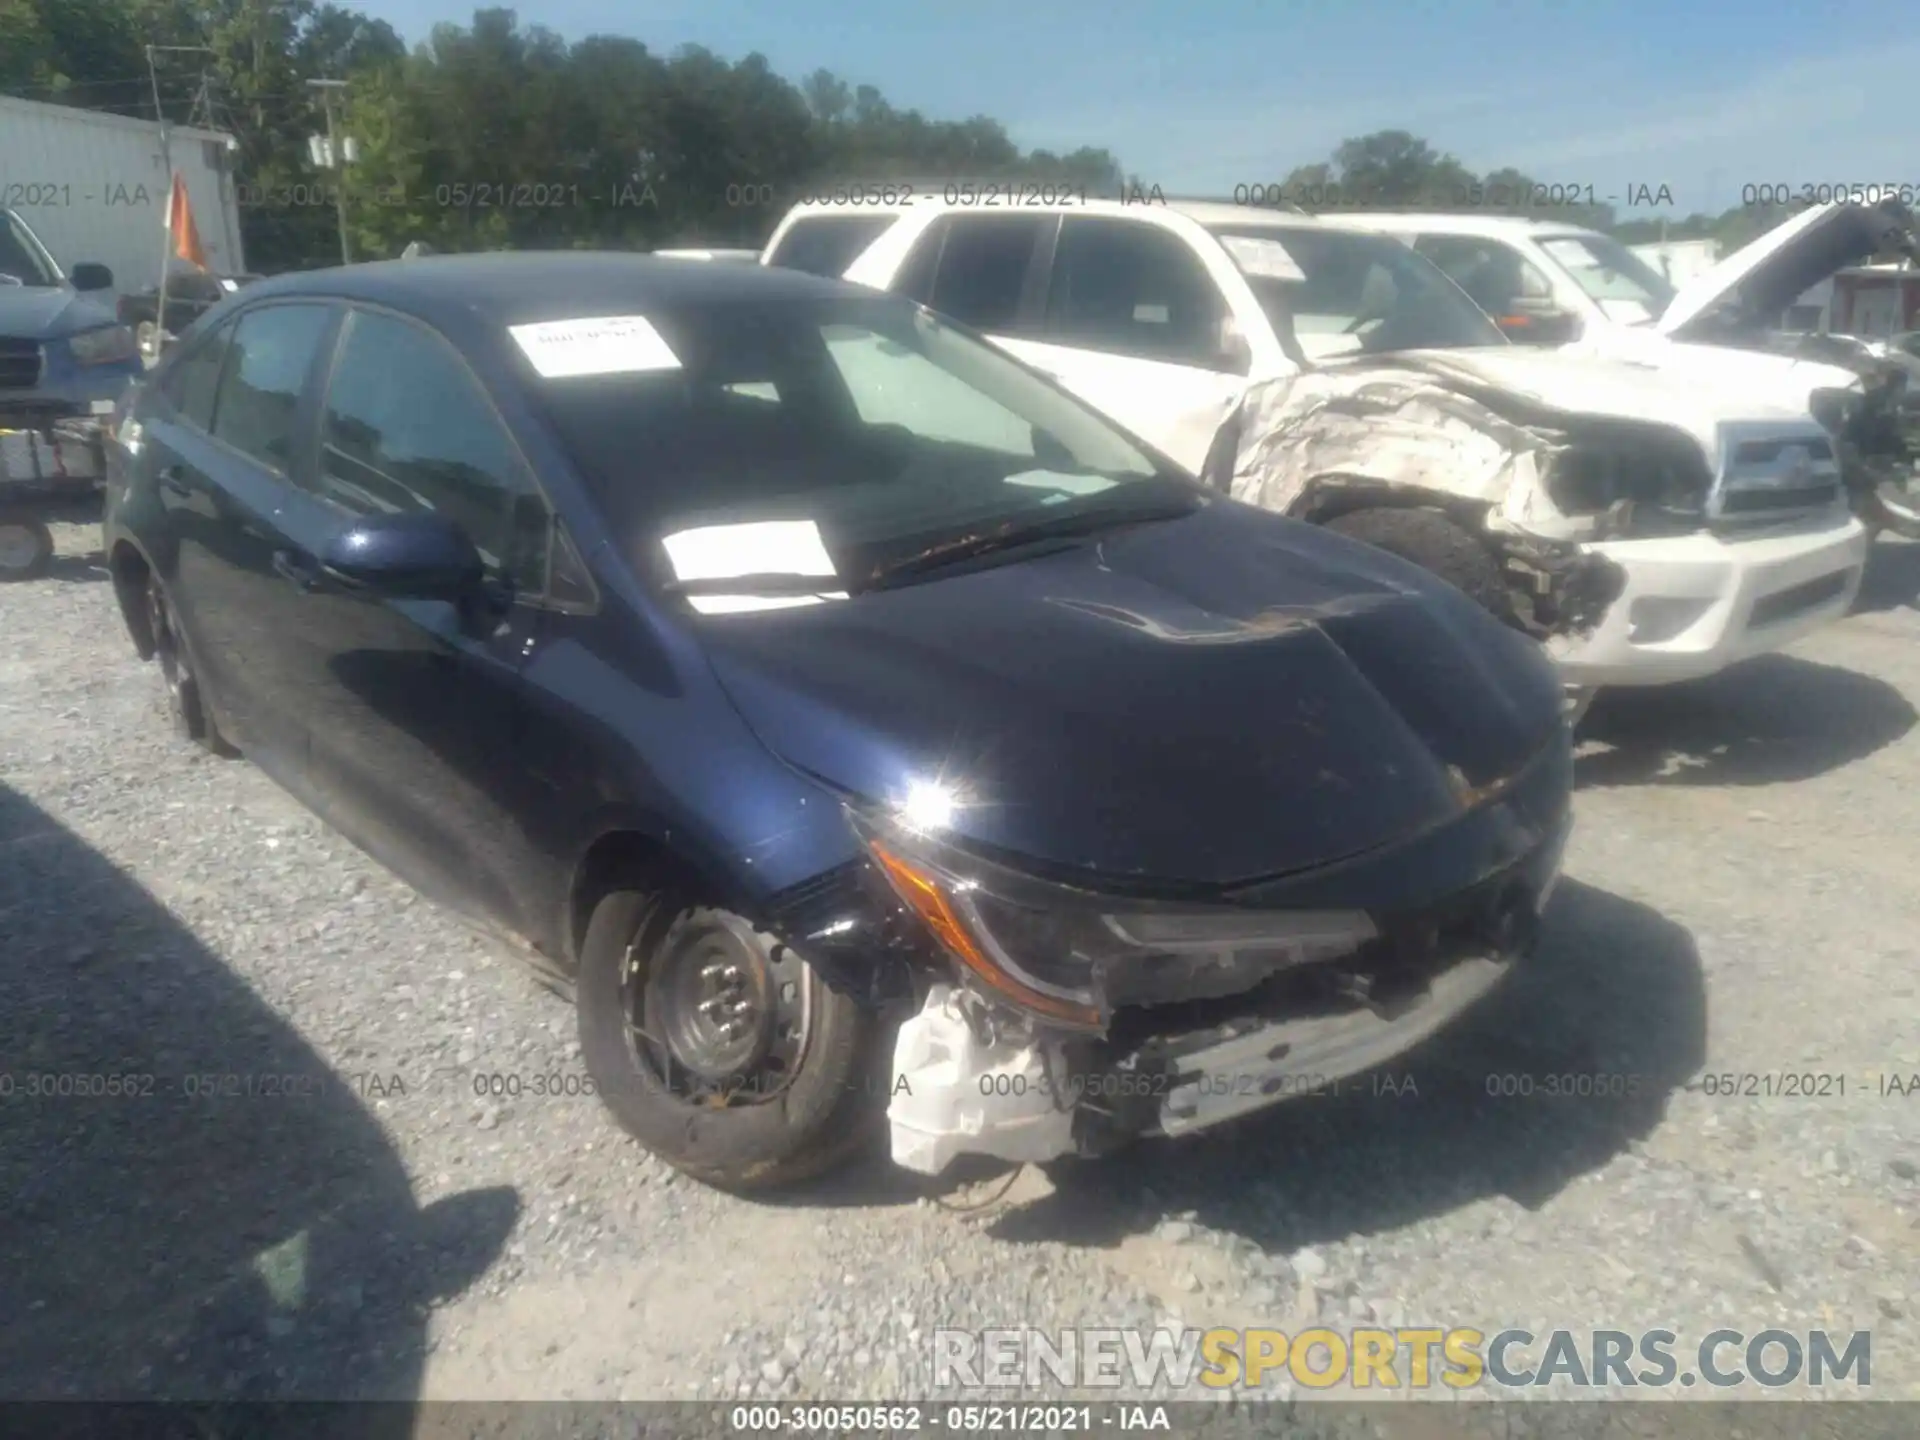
[1201, 96]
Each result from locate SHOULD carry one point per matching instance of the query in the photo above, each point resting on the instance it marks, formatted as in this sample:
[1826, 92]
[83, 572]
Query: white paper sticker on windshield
[759, 547]
[1262, 257]
[596, 345]
[746, 604]
[1064, 483]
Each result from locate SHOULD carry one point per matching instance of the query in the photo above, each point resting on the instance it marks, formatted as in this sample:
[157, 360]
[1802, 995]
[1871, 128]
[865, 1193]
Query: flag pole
[166, 254]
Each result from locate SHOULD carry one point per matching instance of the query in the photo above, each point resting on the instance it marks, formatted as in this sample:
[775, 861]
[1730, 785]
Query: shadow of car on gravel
[183, 1239]
[1614, 993]
[1770, 719]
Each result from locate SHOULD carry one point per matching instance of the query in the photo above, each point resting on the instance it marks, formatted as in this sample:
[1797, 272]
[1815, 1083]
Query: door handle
[296, 570]
[173, 482]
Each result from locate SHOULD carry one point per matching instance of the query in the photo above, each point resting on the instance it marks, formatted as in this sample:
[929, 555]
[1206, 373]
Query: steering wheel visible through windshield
[1344, 292]
[866, 426]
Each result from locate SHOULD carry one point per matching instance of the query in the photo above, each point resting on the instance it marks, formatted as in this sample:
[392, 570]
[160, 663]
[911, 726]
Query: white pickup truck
[1646, 528]
[1554, 284]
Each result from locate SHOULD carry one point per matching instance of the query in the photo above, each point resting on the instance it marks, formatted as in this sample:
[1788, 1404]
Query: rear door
[221, 475]
[415, 705]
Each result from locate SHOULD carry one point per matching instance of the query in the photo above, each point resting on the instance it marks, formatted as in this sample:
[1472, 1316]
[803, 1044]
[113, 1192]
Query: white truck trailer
[94, 187]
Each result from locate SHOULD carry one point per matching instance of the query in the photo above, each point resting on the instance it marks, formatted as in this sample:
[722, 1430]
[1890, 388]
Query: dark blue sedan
[854, 723]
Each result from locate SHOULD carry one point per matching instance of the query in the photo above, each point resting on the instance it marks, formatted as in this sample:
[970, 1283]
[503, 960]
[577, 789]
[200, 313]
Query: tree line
[499, 134]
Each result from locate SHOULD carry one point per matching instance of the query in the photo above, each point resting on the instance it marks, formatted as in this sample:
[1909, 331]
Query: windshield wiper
[1018, 534]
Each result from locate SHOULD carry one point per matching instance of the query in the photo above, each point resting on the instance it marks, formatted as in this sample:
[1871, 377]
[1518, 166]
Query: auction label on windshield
[596, 345]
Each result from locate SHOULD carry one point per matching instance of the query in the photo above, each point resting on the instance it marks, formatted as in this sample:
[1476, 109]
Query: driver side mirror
[1235, 354]
[1537, 322]
[418, 556]
[89, 276]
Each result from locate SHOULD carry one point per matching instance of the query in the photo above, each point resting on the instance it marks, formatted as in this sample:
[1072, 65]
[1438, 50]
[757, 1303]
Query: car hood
[1790, 259]
[1195, 702]
[1615, 387]
[34, 312]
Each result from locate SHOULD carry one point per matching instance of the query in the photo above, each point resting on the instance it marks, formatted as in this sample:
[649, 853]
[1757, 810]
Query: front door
[416, 704]
[1136, 327]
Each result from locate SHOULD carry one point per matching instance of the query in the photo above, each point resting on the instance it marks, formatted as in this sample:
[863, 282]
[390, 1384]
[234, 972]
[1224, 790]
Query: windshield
[1346, 292]
[22, 258]
[1625, 287]
[860, 427]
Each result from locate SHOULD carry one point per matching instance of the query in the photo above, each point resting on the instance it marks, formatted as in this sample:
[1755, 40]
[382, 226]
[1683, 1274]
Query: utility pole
[166, 163]
[337, 160]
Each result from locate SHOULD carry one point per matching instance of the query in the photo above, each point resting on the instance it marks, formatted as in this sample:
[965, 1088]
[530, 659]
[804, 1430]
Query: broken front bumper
[966, 1082]
[1694, 604]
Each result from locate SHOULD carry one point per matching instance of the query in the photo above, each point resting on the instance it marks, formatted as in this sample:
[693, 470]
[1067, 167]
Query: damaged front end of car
[1042, 1019]
[1536, 485]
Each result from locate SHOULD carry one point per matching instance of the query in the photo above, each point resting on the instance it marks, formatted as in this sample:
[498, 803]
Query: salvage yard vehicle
[191, 292]
[1646, 530]
[64, 359]
[809, 686]
[1556, 284]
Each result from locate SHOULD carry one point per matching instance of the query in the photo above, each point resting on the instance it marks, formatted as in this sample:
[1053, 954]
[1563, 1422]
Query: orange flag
[186, 239]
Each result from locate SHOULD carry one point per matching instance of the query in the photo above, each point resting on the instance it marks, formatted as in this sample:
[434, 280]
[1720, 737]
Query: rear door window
[827, 244]
[267, 365]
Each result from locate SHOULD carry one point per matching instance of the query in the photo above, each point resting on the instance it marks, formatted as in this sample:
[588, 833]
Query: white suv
[1647, 531]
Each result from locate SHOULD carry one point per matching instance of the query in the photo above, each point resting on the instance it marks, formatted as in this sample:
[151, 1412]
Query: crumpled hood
[1773, 271]
[1201, 701]
[33, 312]
[1610, 386]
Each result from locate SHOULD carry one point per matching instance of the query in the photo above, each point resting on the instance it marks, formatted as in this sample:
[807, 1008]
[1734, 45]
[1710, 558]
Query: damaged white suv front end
[1649, 532]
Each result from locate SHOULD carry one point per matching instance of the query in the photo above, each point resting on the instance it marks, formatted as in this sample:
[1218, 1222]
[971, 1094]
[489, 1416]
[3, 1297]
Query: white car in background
[1645, 531]
[1553, 284]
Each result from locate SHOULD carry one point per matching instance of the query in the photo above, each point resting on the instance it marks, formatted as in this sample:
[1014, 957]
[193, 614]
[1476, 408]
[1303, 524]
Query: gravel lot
[1740, 897]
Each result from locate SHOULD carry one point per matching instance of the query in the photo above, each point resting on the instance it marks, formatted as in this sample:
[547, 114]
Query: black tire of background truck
[1434, 543]
[29, 547]
[828, 1111]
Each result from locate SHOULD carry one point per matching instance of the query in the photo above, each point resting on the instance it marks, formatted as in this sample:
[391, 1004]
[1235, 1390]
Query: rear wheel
[26, 547]
[718, 1048]
[185, 701]
[1434, 543]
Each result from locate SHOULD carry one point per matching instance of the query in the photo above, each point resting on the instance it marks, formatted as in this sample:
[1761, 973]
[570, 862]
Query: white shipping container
[93, 187]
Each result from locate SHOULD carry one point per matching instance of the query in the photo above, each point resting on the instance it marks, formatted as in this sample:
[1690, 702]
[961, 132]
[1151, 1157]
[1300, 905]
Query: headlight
[103, 346]
[1074, 956]
[1835, 408]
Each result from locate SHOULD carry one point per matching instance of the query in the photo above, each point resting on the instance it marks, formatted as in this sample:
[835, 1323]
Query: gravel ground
[1739, 898]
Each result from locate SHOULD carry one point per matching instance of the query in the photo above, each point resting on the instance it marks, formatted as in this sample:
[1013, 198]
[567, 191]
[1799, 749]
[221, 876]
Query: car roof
[1202, 212]
[1488, 225]
[520, 287]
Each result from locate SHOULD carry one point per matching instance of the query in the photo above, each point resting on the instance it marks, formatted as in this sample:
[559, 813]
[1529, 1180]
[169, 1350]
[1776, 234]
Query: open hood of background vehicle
[1782, 265]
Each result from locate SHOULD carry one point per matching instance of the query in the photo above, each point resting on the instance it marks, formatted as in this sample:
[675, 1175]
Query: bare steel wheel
[26, 547]
[720, 1016]
[186, 704]
[718, 1047]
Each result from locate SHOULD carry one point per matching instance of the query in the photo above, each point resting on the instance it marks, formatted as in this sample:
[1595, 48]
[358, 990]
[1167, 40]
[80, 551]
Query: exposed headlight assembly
[103, 346]
[1073, 956]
